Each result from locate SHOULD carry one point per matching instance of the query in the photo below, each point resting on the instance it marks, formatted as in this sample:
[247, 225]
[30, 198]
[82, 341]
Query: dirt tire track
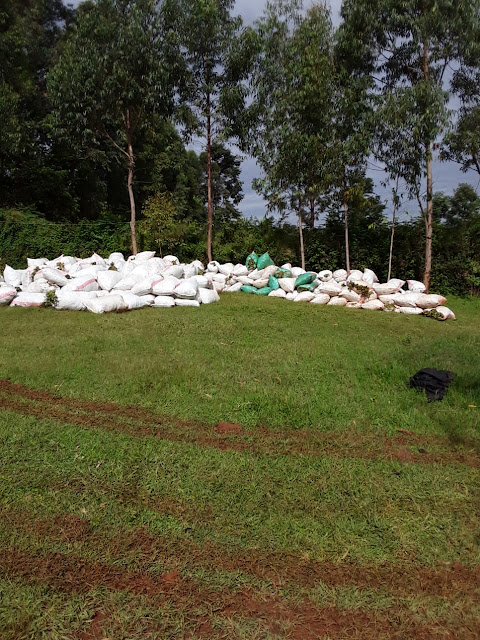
[281, 568]
[305, 621]
[42, 404]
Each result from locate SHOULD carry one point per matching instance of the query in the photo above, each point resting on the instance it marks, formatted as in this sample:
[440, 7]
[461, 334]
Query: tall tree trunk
[394, 216]
[209, 181]
[312, 212]
[429, 214]
[300, 232]
[347, 242]
[131, 167]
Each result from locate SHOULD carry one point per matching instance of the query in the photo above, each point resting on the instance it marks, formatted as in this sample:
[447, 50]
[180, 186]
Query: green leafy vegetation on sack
[251, 262]
[362, 289]
[51, 299]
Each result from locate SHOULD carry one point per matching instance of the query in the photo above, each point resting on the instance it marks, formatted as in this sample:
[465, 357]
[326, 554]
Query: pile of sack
[356, 290]
[111, 284]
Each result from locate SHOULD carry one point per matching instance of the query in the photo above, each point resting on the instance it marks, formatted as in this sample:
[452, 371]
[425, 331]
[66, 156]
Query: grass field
[335, 504]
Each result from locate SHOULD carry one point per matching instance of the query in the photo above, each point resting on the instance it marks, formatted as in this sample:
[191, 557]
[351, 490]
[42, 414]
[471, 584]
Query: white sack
[373, 305]
[325, 276]
[278, 293]
[165, 287]
[175, 270]
[336, 301]
[226, 269]
[13, 277]
[212, 267]
[350, 296]
[143, 256]
[305, 296]
[145, 287]
[269, 271]
[7, 294]
[218, 286]
[407, 299]
[396, 282]
[54, 276]
[85, 283]
[416, 286]
[164, 301]
[259, 284]
[25, 299]
[203, 282]
[388, 299]
[240, 270]
[369, 276]
[426, 301]
[355, 276]
[287, 284]
[39, 286]
[413, 311]
[208, 296]
[182, 302]
[321, 298]
[116, 257]
[340, 275]
[233, 288]
[443, 311]
[36, 262]
[297, 271]
[330, 288]
[386, 289]
[106, 304]
[186, 290]
[73, 300]
[136, 302]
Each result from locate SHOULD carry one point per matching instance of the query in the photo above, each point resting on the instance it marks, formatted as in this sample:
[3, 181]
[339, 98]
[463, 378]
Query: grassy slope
[252, 361]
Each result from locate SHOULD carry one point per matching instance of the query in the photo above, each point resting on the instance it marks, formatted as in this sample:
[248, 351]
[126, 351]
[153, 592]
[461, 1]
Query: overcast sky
[446, 175]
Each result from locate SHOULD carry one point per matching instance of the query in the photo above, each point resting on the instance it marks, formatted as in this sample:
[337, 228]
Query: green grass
[255, 362]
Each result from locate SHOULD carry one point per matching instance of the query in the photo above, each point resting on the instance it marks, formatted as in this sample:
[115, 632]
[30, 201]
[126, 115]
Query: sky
[447, 176]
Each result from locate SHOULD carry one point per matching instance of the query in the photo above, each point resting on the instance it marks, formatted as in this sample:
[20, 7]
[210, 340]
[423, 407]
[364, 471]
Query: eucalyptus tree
[118, 69]
[292, 87]
[211, 40]
[462, 143]
[407, 45]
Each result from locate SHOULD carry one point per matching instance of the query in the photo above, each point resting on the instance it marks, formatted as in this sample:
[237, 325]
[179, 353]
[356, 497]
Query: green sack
[273, 283]
[283, 273]
[251, 262]
[307, 287]
[248, 288]
[264, 261]
[304, 278]
[264, 291]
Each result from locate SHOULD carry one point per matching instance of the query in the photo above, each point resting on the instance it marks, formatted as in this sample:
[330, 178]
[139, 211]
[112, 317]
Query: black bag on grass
[434, 381]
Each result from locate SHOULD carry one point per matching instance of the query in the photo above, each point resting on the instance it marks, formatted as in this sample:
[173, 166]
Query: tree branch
[107, 135]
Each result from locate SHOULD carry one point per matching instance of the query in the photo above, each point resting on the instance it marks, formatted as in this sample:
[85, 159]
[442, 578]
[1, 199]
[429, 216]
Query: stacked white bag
[103, 285]
[357, 290]
[114, 283]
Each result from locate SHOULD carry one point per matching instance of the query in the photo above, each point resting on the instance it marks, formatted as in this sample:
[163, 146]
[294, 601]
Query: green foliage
[24, 233]
[160, 226]
[51, 299]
